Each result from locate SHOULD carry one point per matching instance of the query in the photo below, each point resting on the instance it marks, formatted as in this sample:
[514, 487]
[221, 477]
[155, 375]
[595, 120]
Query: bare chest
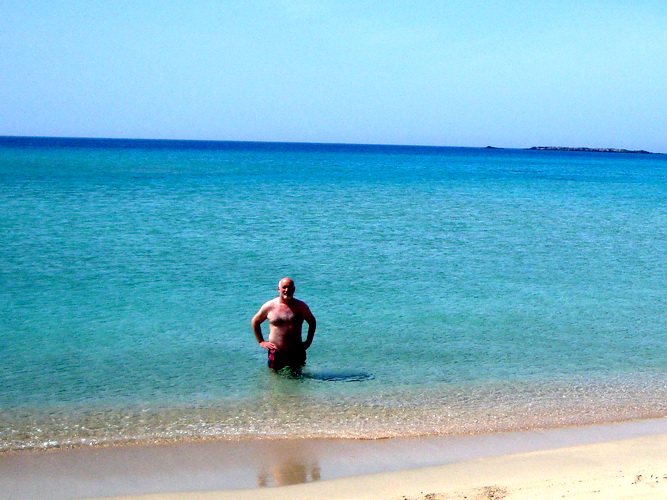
[285, 316]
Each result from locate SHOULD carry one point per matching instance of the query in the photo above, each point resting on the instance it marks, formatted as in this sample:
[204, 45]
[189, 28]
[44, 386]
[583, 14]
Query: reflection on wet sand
[288, 462]
[289, 472]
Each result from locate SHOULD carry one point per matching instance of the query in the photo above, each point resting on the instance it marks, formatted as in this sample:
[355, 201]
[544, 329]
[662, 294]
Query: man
[286, 315]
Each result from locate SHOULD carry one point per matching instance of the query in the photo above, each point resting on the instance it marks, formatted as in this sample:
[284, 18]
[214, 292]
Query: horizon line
[319, 143]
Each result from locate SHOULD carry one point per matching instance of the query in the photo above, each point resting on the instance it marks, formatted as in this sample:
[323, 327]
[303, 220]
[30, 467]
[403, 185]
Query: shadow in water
[325, 375]
[338, 376]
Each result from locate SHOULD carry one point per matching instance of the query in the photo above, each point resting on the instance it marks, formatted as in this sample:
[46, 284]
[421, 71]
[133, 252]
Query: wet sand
[627, 469]
[630, 457]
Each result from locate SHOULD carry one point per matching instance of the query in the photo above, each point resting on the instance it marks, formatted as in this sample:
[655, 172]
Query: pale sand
[550, 463]
[627, 469]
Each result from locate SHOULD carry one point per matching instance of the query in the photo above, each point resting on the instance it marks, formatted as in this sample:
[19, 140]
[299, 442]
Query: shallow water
[478, 289]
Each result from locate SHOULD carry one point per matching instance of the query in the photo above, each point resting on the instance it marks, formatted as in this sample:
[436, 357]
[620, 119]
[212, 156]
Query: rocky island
[589, 150]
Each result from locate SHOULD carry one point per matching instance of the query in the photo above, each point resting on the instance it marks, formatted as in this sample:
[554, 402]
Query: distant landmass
[590, 150]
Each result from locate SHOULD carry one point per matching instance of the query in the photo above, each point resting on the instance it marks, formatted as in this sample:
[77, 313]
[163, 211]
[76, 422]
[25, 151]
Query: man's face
[286, 289]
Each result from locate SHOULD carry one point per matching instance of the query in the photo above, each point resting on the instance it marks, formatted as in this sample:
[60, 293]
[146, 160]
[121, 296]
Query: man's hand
[267, 345]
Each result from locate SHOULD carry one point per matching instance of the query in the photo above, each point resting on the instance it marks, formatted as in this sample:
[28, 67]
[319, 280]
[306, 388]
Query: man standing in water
[286, 316]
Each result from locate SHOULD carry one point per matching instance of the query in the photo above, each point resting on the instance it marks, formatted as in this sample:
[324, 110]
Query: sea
[456, 290]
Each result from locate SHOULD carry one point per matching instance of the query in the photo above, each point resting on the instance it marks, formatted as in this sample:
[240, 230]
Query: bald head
[286, 282]
[286, 289]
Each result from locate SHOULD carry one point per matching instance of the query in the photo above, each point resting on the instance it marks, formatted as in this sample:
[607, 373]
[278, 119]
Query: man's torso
[285, 325]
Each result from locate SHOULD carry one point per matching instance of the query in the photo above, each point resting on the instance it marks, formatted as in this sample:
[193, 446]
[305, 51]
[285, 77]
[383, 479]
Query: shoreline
[626, 469]
[458, 410]
[237, 468]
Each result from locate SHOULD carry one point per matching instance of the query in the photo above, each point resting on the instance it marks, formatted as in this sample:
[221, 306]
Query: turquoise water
[474, 290]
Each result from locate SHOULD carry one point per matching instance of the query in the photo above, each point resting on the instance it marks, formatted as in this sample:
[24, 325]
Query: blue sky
[453, 73]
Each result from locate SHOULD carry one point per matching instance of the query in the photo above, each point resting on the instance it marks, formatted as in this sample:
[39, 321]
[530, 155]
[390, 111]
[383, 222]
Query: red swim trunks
[281, 359]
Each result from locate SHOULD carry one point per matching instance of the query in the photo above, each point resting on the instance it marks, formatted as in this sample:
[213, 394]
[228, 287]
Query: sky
[448, 73]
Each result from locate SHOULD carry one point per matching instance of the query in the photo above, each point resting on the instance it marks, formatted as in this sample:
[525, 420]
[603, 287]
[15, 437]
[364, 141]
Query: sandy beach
[622, 460]
[627, 469]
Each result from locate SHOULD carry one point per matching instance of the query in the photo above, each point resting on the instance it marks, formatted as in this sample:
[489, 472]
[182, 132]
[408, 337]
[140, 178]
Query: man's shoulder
[301, 304]
[268, 305]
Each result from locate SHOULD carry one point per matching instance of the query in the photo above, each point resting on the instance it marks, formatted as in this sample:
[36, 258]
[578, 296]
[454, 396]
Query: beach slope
[624, 469]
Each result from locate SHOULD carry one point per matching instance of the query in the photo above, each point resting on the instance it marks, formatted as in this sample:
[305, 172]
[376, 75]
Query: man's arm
[312, 325]
[256, 324]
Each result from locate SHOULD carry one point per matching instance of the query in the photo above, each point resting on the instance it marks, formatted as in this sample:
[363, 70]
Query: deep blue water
[464, 289]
